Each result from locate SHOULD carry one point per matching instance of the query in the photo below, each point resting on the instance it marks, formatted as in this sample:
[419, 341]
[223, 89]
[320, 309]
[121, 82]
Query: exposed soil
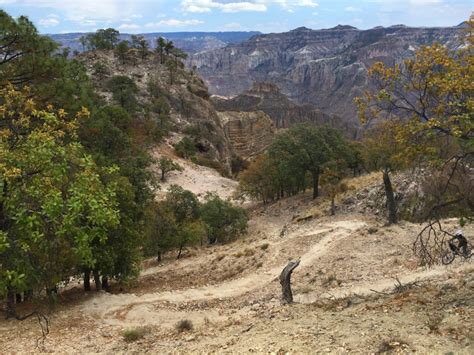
[358, 289]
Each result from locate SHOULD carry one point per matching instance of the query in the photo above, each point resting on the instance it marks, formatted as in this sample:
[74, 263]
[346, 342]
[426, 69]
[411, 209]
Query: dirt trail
[382, 285]
[195, 178]
[129, 307]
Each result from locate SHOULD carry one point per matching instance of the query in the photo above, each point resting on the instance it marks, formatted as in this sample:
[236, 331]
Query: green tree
[166, 166]
[160, 48]
[124, 91]
[161, 229]
[306, 148]
[185, 148]
[190, 233]
[161, 107]
[182, 203]
[108, 136]
[102, 39]
[224, 221]
[260, 180]
[173, 69]
[25, 56]
[141, 45]
[122, 51]
[53, 202]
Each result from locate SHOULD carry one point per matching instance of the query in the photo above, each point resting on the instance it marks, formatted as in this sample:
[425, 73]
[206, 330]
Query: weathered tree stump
[285, 280]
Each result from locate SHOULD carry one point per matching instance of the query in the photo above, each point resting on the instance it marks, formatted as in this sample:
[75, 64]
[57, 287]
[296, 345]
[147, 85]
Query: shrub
[264, 246]
[124, 91]
[184, 325]
[100, 69]
[185, 148]
[134, 334]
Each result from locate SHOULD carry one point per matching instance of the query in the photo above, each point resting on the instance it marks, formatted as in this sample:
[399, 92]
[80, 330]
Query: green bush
[185, 148]
[124, 91]
[134, 334]
[224, 220]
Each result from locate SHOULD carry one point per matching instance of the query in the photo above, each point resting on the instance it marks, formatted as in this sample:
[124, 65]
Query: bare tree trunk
[391, 203]
[87, 280]
[333, 206]
[315, 175]
[180, 251]
[105, 283]
[285, 280]
[10, 310]
[98, 283]
[159, 257]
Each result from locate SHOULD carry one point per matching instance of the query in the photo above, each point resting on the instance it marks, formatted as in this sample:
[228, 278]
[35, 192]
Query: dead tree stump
[285, 280]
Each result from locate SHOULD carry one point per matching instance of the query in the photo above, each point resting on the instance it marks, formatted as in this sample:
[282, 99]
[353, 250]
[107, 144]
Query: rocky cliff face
[249, 133]
[325, 68]
[283, 112]
[191, 112]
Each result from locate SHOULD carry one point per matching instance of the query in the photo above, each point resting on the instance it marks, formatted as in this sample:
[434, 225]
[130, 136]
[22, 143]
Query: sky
[143, 16]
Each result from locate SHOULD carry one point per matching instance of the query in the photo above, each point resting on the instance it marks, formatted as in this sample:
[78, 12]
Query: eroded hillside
[173, 87]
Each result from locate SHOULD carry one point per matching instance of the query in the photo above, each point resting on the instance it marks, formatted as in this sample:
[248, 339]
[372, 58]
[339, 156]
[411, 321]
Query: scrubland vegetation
[79, 184]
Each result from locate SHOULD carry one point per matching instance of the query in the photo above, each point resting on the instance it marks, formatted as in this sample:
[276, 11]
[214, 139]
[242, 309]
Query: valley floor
[346, 299]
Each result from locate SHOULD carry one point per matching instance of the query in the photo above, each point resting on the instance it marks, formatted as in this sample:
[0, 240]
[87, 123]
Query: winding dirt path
[151, 308]
[131, 308]
[385, 284]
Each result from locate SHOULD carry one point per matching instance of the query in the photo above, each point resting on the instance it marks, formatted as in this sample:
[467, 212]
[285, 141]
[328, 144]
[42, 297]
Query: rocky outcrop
[283, 112]
[249, 133]
[191, 113]
[325, 68]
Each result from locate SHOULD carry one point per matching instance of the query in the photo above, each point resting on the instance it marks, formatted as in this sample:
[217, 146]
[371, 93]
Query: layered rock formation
[283, 112]
[249, 133]
[325, 68]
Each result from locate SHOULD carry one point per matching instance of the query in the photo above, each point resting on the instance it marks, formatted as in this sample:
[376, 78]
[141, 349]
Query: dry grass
[363, 181]
[434, 321]
[134, 334]
[249, 252]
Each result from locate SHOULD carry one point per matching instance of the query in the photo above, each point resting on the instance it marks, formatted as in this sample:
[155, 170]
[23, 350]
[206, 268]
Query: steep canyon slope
[326, 68]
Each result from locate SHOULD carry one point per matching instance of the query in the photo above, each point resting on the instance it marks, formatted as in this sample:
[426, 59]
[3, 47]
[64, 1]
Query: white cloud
[173, 23]
[352, 9]
[204, 6]
[425, 2]
[129, 27]
[233, 26]
[50, 21]
[99, 10]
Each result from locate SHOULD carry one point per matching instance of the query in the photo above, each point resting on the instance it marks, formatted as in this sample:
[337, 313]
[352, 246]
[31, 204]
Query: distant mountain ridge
[190, 42]
[325, 68]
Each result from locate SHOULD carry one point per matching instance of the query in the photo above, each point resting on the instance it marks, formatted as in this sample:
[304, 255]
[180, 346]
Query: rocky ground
[358, 289]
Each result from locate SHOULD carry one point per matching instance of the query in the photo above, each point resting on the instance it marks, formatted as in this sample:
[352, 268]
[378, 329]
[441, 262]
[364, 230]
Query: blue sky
[138, 16]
